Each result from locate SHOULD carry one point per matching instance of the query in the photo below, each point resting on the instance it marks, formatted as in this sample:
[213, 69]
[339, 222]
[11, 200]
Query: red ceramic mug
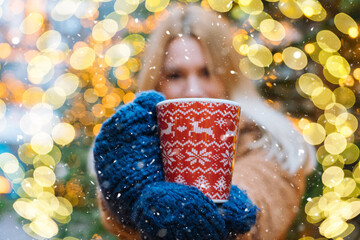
[197, 140]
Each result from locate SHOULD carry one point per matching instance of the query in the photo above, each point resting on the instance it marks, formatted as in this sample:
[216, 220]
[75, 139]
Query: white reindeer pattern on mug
[197, 129]
[168, 129]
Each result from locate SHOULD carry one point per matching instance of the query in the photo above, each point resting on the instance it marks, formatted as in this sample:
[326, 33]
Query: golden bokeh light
[260, 55]
[129, 97]
[221, 6]
[64, 10]
[42, 143]
[40, 69]
[255, 20]
[37, 226]
[32, 96]
[272, 30]
[252, 7]
[48, 41]
[328, 41]
[135, 42]
[90, 95]
[117, 55]
[338, 66]
[120, 19]
[250, 70]
[314, 133]
[2, 109]
[32, 23]
[332, 176]
[68, 82]
[82, 58]
[31, 187]
[322, 97]
[294, 58]
[307, 83]
[333, 111]
[8, 163]
[344, 23]
[124, 7]
[290, 8]
[104, 30]
[24, 208]
[44, 176]
[55, 97]
[63, 133]
[159, 5]
[5, 50]
[335, 143]
[242, 42]
[345, 96]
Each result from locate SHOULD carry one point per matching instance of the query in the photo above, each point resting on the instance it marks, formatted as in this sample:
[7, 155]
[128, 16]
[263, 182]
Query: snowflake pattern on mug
[198, 144]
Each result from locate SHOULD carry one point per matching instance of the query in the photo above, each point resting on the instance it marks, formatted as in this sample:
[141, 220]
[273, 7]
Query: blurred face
[185, 73]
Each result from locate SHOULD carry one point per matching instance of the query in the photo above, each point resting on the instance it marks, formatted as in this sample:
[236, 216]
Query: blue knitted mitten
[129, 170]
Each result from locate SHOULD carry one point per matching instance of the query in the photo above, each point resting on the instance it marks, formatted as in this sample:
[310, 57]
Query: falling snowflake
[220, 185]
[180, 179]
[201, 157]
[227, 158]
[168, 156]
[202, 183]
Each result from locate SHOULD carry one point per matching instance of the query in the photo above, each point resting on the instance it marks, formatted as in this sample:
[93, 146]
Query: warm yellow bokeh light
[260, 55]
[332, 176]
[31, 187]
[322, 97]
[32, 23]
[82, 58]
[104, 30]
[250, 70]
[353, 32]
[272, 30]
[40, 69]
[294, 58]
[63, 133]
[314, 133]
[220, 6]
[335, 143]
[44, 176]
[2, 108]
[42, 143]
[68, 82]
[308, 82]
[55, 97]
[344, 22]
[124, 7]
[117, 55]
[328, 41]
[48, 41]
[256, 19]
[290, 8]
[5, 50]
[242, 42]
[37, 226]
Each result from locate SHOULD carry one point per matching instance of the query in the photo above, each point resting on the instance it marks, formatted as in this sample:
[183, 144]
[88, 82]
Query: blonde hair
[214, 34]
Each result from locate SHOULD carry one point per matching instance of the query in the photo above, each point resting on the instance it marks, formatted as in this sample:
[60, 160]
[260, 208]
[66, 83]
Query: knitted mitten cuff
[127, 154]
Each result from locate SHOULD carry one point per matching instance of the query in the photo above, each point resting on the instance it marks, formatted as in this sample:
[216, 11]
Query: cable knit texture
[129, 170]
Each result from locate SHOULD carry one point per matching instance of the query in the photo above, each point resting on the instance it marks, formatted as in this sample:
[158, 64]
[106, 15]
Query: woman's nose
[194, 88]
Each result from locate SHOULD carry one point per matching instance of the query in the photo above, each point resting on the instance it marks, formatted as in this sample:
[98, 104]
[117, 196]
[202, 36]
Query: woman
[190, 54]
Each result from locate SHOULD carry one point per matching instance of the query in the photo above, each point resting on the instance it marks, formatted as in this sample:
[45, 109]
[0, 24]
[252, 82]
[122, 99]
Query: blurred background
[67, 65]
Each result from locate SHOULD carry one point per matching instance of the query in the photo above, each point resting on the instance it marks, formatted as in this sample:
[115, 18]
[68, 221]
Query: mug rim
[215, 100]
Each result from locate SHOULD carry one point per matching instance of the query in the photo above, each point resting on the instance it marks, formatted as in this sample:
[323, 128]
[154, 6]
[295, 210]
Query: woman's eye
[205, 72]
[173, 76]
